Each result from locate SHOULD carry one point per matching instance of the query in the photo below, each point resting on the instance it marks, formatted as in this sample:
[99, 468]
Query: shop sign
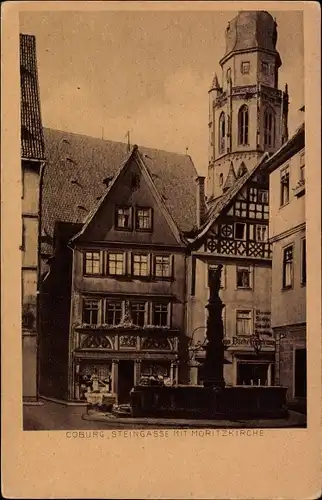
[245, 341]
[262, 324]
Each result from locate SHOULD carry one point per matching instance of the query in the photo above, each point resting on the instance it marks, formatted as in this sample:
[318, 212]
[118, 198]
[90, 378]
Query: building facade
[32, 164]
[247, 122]
[288, 239]
[113, 302]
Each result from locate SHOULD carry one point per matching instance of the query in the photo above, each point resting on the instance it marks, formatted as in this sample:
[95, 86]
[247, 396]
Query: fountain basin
[232, 403]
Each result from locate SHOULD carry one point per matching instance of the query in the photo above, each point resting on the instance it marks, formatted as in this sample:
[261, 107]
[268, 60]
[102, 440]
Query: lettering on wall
[262, 324]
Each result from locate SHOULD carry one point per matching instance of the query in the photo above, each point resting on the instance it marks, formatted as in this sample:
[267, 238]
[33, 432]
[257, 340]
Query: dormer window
[123, 218]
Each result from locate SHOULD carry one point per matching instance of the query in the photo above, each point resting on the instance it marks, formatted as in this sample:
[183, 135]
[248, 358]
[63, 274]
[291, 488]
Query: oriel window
[123, 218]
[288, 267]
[90, 311]
[113, 313]
[269, 128]
[92, 262]
[243, 125]
[160, 314]
[144, 218]
[285, 186]
[138, 313]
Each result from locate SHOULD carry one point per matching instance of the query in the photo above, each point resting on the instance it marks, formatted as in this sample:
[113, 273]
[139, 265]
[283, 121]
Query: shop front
[104, 370]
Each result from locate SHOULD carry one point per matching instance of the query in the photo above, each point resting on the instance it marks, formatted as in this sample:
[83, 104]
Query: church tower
[247, 112]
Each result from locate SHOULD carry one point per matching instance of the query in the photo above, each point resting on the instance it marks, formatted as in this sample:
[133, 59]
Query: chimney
[201, 200]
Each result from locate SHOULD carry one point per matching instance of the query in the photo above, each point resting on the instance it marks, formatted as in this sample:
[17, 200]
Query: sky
[109, 72]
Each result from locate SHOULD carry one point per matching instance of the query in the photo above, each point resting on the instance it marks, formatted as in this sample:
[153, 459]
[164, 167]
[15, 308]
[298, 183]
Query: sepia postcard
[161, 250]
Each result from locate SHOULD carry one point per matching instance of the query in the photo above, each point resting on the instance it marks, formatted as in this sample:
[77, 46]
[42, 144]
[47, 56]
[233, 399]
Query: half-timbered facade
[119, 311]
[236, 236]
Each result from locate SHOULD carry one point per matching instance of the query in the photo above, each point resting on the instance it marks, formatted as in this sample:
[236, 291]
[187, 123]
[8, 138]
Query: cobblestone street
[57, 416]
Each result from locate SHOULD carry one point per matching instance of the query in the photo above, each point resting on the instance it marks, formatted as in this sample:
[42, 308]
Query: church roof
[77, 166]
[231, 178]
[251, 30]
[32, 140]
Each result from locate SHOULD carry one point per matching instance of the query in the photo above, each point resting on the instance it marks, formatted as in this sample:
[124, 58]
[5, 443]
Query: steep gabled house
[113, 297]
[235, 235]
[32, 165]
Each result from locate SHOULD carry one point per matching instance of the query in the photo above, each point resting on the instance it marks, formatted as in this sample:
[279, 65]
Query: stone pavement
[59, 416]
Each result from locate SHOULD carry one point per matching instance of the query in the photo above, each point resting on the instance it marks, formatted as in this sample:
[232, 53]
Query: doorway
[300, 373]
[125, 380]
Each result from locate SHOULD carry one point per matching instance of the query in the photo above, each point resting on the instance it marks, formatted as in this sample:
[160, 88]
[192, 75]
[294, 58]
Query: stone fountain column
[214, 360]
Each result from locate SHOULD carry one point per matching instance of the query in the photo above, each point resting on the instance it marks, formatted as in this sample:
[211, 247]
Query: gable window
[245, 67]
[240, 231]
[138, 313]
[285, 186]
[261, 233]
[303, 261]
[92, 262]
[288, 267]
[116, 264]
[253, 194]
[113, 313]
[211, 268]
[269, 128]
[243, 322]
[144, 218]
[243, 277]
[160, 314]
[162, 266]
[90, 311]
[140, 265]
[222, 133]
[240, 208]
[243, 125]
[263, 196]
[123, 218]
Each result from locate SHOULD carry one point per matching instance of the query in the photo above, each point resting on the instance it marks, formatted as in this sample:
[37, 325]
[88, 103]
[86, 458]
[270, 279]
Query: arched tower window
[269, 128]
[221, 179]
[243, 125]
[222, 132]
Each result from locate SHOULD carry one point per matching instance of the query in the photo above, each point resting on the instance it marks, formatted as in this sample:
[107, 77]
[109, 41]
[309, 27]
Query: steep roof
[225, 199]
[32, 140]
[77, 165]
